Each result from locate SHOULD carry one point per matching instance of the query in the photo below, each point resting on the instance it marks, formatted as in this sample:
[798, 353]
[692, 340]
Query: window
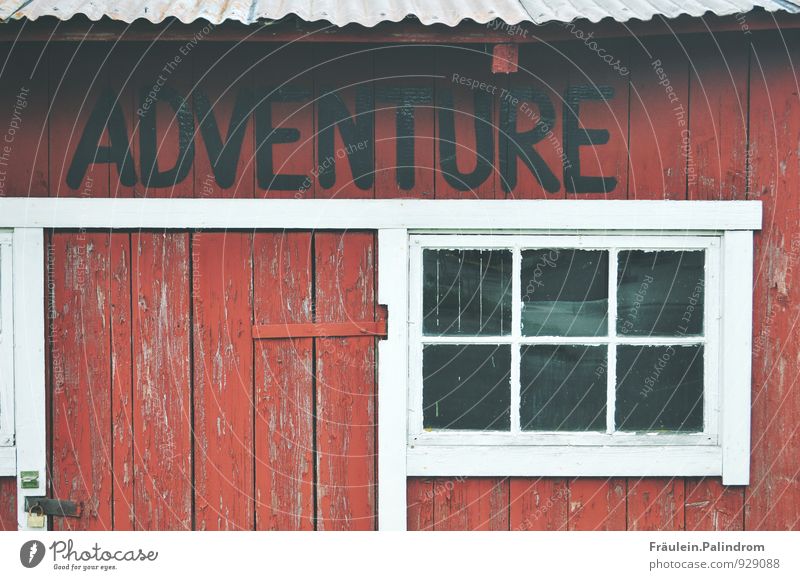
[7, 460]
[595, 339]
[565, 354]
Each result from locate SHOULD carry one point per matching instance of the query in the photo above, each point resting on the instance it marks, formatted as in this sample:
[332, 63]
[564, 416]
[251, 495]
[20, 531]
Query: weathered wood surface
[284, 384]
[742, 108]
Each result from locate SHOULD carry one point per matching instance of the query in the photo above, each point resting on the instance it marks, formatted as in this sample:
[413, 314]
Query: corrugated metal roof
[371, 12]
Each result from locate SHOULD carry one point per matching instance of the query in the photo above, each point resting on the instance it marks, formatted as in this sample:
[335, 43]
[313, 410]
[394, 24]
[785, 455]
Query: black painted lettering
[355, 130]
[484, 142]
[149, 142]
[520, 144]
[224, 157]
[268, 135]
[575, 137]
[406, 99]
[106, 115]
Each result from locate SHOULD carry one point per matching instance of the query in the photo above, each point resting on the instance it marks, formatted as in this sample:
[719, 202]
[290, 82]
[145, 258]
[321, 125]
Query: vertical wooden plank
[23, 101]
[345, 118]
[656, 504]
[161, 365]
[420, 516]
[284, 122]
[466, 124]
[404, 122]
[8, 504]
[222, 98]
[539, 504]
[284, 379]
[474, 504]
[345, 389]
[596, 121]
[712, 506]
[82, 108]
[718, 116]
[659, 120]
[223, 380]
[154, 83]
[530, 138]
[125, 178]
[773, 496]
[122, 380]
[82, 388]
[597, 504]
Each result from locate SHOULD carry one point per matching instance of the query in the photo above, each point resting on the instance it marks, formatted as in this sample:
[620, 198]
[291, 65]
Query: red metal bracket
[320, 329]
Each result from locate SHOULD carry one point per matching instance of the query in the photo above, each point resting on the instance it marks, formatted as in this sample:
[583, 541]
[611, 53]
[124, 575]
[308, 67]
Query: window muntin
[586, 348]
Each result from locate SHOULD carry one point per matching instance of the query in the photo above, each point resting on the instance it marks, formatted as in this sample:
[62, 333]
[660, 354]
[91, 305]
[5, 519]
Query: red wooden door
[166, 414]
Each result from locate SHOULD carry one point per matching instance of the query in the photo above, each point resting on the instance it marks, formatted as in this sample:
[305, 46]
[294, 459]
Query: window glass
[660, 293]
[466, 292]
[659, 388]
[466, 386]
[564, 292]
[563, 388]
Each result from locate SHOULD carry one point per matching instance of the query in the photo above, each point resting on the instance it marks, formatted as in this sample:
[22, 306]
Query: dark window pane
[659, 388]
[660, 293]
[466, 386]
[466, 292]
[564, 292]
[563, 388]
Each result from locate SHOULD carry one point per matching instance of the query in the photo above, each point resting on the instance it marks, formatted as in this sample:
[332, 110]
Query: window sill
[567, 461]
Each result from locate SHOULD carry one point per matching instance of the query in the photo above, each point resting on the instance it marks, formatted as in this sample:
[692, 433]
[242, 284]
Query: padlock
[36, 517]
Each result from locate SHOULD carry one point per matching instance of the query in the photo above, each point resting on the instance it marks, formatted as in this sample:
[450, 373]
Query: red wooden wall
[164, 413]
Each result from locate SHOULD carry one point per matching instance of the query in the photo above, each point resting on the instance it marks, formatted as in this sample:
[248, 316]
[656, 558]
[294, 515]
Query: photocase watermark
[66, 556]
[558, 496]
[548, 260]
[741, 18]
[594, 46]
[32, 553]
[653, 377]
[14, 125]
[510, 97]
[680, 115]
[761, 340]
[509, 29]
[172, 65]
[207, 186]
[328, 163]
[630, 318]
[442, 487]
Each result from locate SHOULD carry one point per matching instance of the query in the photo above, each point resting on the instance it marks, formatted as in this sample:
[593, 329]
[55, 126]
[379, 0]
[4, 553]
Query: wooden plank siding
[165, 415]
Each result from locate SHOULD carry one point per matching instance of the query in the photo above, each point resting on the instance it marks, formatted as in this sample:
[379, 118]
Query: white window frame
[396, 220]
[462, 443]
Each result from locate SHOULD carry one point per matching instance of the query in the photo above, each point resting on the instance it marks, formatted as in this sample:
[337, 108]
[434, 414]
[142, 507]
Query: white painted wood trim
[736, 367]
[392, 379]
[563, 461]
[29, 361]
[8, 461]
[6, 351]
[379, 214]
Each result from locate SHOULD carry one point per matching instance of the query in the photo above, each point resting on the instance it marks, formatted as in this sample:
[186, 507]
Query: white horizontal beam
[379, 214]
[564, 461]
